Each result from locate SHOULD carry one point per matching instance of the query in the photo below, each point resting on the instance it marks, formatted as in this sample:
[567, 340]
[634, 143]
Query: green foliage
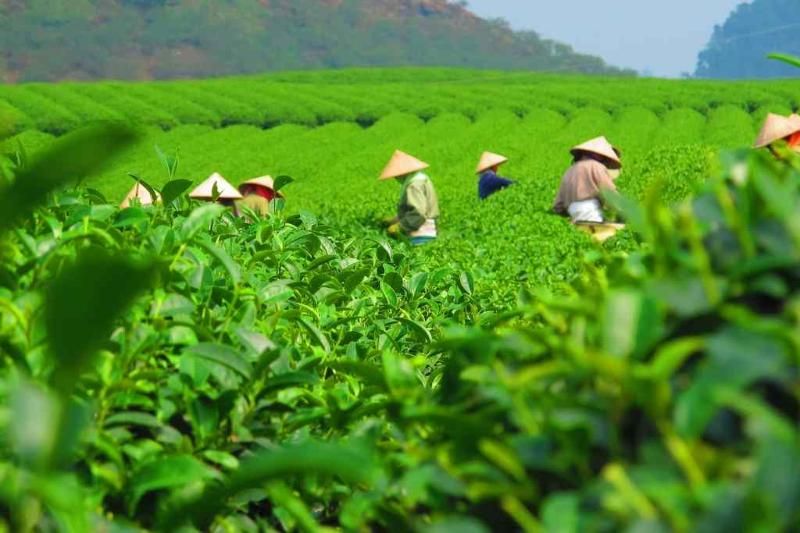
[319, 98]
[282, 375]
[178, 367]
[668, 131]
[786, 58]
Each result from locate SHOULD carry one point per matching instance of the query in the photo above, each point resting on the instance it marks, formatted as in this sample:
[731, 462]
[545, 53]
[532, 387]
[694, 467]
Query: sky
[661, 37]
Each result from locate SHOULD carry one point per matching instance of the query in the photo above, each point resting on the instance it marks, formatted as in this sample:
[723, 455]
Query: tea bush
[175, 367]
[312, 98]
[511, 238]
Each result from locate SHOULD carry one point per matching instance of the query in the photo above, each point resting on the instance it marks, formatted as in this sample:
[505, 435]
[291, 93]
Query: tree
[739, 47]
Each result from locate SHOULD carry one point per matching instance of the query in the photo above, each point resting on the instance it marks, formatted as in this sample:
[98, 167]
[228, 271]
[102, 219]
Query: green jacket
[418, 202]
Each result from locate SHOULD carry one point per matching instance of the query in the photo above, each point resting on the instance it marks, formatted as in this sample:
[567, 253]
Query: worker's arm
[491, 183]
[411, 212]
[499, 182]
[603, 182]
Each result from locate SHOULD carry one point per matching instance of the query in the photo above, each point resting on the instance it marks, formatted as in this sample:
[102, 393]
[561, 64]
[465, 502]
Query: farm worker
[489, 182]
[227, 193]
[779, 128]
[418, 207]
[595, 166]
[258, 193]
[139, 194]
[794, 140]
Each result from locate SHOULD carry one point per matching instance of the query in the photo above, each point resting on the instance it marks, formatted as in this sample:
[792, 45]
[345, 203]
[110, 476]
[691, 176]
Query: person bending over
[418, 207]
[489, 182]
[595, 167]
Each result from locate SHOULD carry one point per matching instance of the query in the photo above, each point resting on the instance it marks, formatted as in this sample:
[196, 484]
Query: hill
[168, 39]
[739, 47]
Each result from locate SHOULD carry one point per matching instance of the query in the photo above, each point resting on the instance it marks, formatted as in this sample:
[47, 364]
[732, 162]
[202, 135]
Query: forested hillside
[739, 47]
[49, 40]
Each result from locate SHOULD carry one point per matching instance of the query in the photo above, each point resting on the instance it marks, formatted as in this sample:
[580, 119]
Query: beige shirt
[583, 181]
[418, 203]
[257, 203]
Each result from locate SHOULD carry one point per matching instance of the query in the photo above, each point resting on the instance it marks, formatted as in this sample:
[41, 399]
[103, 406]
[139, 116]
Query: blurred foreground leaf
[82, 305]
[786, 58]
[173, 189]
[71, 158]
[351, 463]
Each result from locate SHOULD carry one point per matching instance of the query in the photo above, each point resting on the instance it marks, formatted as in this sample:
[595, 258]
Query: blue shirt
[490, 183]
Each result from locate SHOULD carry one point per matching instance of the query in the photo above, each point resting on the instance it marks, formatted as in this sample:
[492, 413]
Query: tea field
[178, 367]
[333, 132]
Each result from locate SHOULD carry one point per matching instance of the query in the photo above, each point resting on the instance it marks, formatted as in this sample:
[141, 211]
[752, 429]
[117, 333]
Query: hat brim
[614, 163]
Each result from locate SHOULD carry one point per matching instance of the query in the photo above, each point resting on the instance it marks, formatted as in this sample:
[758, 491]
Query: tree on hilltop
[739, 47]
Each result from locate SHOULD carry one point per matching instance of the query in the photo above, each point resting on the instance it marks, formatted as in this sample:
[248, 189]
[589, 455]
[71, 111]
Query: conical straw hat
[776, 127]
[795, 120]
[140, 193]
[401, 164]
[488, 160]
[599, 146]
[205, 191]
[263, 181]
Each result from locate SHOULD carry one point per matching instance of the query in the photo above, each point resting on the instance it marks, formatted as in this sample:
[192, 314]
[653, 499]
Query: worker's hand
[388, 221]
[394, 229]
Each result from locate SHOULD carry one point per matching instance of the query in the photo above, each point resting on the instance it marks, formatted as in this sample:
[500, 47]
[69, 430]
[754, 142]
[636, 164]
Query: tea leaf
[220, 354]
[167, 473]
[82, 305]
[310, 458]
[173, 189]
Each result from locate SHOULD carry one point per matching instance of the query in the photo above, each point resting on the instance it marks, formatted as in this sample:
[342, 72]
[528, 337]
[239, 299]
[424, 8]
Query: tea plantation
[177, 367]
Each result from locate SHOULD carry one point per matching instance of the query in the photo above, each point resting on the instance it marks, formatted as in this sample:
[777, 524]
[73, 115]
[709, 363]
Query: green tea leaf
[316, 334]
[348, 462]
[83, 304]
[753, 356]
[167, 473]
[200, 218]
[786, 58]
[282, 181]
[170, 162]
[418, 329]
[132, 418]
[290, 379]
[466, 282]
[231, 267]
[462, 524]
[561, 513]
[221, 355]
[389, 294]
[149, 188]
[417, 284]
[173, 189]
[631, 325]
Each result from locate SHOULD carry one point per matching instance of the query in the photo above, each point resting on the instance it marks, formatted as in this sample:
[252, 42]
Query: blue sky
[661, 36]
